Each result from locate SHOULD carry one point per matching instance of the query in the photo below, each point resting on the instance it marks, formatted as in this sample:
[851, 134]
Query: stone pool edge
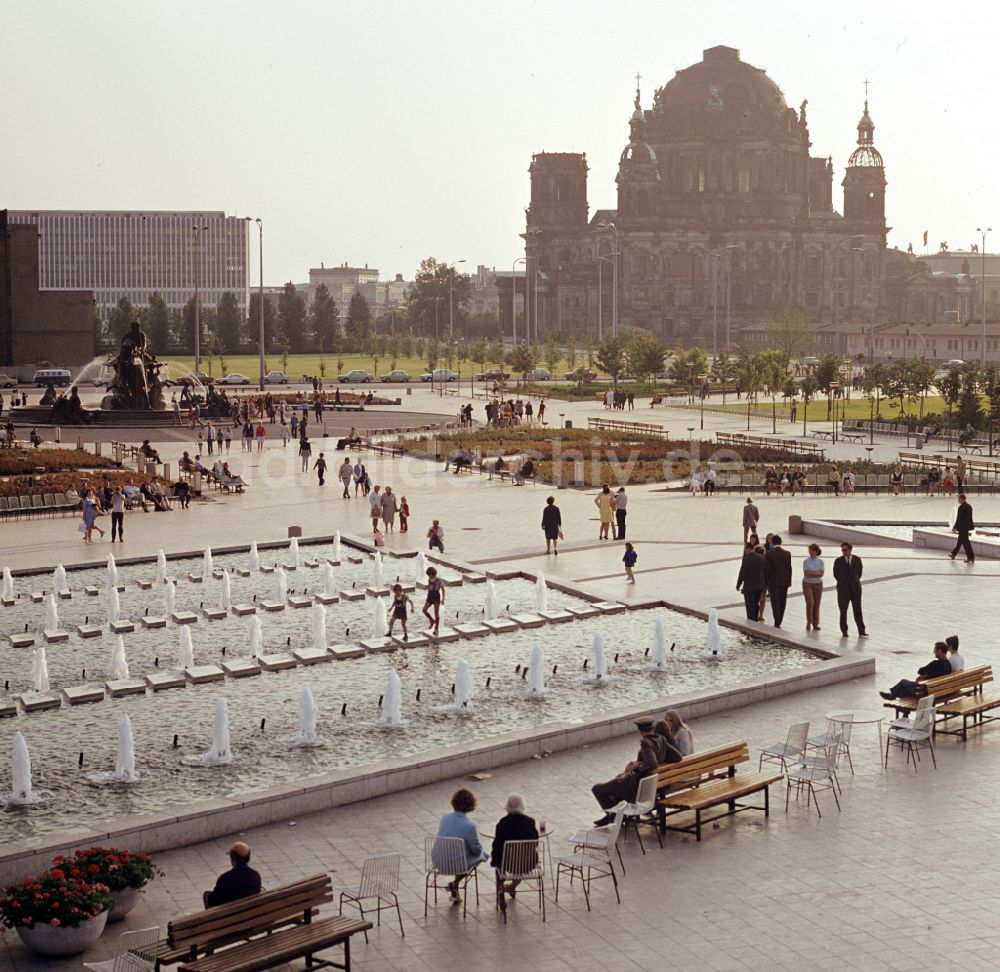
[221, 817]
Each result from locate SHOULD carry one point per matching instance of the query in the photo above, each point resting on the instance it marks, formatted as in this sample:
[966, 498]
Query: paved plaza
[902, 878]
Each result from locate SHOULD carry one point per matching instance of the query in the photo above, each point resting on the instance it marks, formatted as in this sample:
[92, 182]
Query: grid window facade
[137, 254]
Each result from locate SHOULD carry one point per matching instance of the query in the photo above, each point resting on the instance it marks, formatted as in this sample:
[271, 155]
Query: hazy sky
[384, 132]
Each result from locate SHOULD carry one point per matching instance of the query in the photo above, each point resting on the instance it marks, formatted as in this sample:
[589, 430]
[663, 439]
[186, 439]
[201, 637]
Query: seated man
[353, 437]
[199, 466]
[133, 496]
[906, 688]
[240, 881]
[182, 490]
[148, 452]
[186, 463]
[159, 498]
[653, 750]
[36, 439]
[527, 470]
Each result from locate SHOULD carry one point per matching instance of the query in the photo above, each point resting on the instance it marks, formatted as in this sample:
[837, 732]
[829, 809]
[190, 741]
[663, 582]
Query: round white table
[865, 717]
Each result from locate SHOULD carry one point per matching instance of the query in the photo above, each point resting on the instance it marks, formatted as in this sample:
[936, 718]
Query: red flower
[57, 875]
[56, 922]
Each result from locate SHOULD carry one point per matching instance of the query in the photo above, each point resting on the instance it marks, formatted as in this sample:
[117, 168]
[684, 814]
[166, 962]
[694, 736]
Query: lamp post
[715, 307]
[702, 379]
[197, 230]
[834, 385]
[451, 321]
[260, 336]
[614, 278]
[982, 249]
[601, 260]
[513, 297]
[729, 290]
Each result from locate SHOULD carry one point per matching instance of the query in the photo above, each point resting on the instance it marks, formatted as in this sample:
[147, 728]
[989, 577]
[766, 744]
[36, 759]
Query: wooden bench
[972, 707]
[261, 932]
[656, 400]
[709, 779]
[853, 436]
[946, 689]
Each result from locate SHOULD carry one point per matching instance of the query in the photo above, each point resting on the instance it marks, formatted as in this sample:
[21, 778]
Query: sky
[382, 132]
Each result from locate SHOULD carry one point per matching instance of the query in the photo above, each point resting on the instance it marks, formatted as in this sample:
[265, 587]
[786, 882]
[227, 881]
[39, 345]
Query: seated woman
[133, 496]
[833, 480]
[458, 824]
[527, 469]
[770, 480]
[516, 825]
[848, 483]
[72, 496]
[159, 498]
[948, 483]
[678, 734]
[896, 480]
[933, 481]
[353, 437]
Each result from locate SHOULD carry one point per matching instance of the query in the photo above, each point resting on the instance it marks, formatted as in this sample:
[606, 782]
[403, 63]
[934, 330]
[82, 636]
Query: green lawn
[857, 408]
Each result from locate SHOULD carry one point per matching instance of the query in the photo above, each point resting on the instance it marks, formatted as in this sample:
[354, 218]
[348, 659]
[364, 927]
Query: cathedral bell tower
[864, 182]
[638, 171]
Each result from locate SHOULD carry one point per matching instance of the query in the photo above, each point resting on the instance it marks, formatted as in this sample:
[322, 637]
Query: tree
[206, 320]
[497, 353]
[429, 295]
[359, 321]
[228, 323]
[750, 376]
[724, 371]
[773, 376]
[644, 354]
[871, 385]
[120, 320]
[808, 387]
[894, 385]
[550, 351]
[949, 386]
[611, 357]
[919, 378]
[522, 360]
[177, 328]
[481, 353]
[292, 318]
[337, 347]
[990, 384]
[392, 346]
[686, 368]
[827, 372]
[791, 335]
[253, 320]
[377, 351]
[571, 352]
[323, 317]
[433, 352]
[970, 408]
[156, 323]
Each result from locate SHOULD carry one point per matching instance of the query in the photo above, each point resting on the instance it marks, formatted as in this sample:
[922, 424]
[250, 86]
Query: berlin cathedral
[725, 224]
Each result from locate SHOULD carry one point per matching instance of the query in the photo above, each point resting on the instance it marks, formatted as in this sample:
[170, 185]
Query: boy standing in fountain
[435, 599]
[400, 600]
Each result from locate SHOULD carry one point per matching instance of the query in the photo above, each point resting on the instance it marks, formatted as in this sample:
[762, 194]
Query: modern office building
[136, 254]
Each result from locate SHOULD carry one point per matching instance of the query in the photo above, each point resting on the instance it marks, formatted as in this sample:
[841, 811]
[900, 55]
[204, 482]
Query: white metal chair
[379, 880]
[788, 751]
[446, 857]
[645, 801]
[838, 734]
[591, 854]
[820, 775]
[905, 722]
[521, 861]
[136, 953]
[914, 737]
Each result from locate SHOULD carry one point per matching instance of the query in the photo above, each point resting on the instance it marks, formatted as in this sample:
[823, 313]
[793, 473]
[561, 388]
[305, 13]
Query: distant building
[38, 325]
[383, 296]
[136, 254]
[485, 296]
[724, 221]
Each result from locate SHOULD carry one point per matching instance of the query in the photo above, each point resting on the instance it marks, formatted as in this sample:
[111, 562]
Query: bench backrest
[698, 767]
[957, 682]
[246, 917]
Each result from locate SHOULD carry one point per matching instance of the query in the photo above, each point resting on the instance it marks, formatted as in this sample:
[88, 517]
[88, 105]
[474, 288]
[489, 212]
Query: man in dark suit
[653, 750]
[240, 881]
[963, 527]
[752, 580]
[778, 574]
[847, 573]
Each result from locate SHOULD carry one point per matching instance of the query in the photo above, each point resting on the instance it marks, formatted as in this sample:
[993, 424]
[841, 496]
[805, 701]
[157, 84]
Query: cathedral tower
[864, 183]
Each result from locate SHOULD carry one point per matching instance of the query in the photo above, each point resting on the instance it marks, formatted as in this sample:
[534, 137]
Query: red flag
[925, 237]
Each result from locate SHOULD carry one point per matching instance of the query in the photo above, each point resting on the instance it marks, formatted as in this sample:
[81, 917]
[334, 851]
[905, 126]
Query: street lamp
[451, 277]
[513, 297]
[601, 260]
[260, 339]
[198, 230]
[715, 306]
[982, 233]
[614, 277]
[702, 379]
[834, 385]
[729, 290]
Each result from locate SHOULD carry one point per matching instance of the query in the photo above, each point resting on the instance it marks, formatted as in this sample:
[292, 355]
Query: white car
[234, 379]
[7, 382]
[396, 375]
[357, 375]
[275, 378]
[440, 374]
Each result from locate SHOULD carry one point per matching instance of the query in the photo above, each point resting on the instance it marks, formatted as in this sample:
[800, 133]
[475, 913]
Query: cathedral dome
[721, 91]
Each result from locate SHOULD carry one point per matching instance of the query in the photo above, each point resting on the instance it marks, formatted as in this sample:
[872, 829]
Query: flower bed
[60, 482]
[16, 461]
[115, 868]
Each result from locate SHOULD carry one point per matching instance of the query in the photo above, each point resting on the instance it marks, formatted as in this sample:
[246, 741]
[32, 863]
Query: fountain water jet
[170, 597]
[377, 579]
[220, 753]
[22, 789]
[161, 567]
[541, 594]
[281, 585]
[380, 621]
[51, 614]
[7, 586]
[392, 706]
[421, 567]
[226, 593]
[254, 558]
[659, 645]
[124, 771]
[307, 735]
[119, 664]
[39, 670]
[336, 547]
[536, 672]
[185, 657]
[490, 608]
[256, 637]
[114, 605]
[319, 627]
[112, 571]
[206, 565]
[713, 650]
[599, 674]
[59, 579]
[294, 557]
[328, 579]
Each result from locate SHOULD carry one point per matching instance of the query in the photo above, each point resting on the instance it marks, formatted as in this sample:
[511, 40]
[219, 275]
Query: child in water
[629, 561]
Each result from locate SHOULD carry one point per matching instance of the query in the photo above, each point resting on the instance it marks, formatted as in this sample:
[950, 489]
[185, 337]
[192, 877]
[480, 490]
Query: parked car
[7, 382]
[954, 363]
[356, 375]
[235, 378]
[440, 374]
[494, 375]
[541, 374]
[581, 374]
[396, 375]
[275, 378]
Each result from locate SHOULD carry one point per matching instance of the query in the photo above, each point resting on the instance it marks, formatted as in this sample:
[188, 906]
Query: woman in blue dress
[90, 517]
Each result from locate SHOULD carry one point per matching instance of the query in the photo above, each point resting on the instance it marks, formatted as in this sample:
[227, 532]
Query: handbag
[560, 533]
[81, 527]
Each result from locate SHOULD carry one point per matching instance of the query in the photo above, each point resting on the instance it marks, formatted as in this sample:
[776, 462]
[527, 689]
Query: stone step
[241, 668]
[200, 674]
[165, 680]
[81, 694]
[125, 686]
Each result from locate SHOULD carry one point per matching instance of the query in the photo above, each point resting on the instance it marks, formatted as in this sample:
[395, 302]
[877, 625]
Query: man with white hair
[516, 825]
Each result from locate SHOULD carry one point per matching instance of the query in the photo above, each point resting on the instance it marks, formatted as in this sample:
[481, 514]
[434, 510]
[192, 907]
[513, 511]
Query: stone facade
[724, 221]
[38, 326]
